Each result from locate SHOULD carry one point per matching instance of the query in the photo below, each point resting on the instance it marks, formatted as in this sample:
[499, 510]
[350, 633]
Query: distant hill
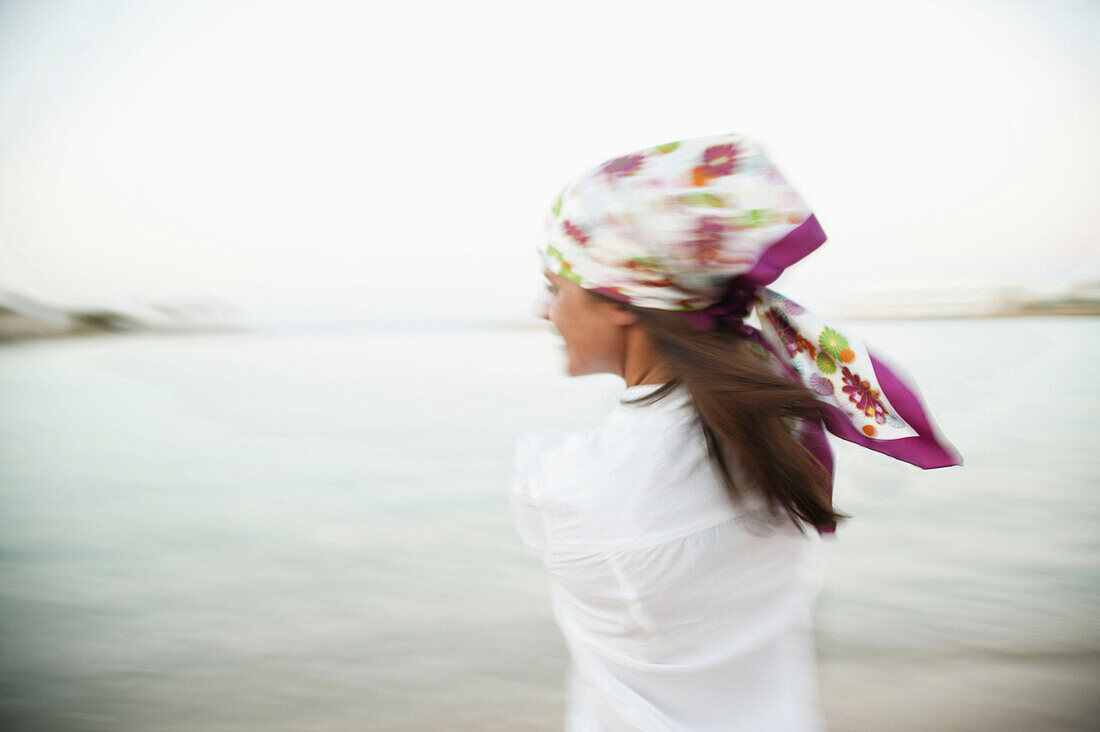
[22, 317]
[1068, 298]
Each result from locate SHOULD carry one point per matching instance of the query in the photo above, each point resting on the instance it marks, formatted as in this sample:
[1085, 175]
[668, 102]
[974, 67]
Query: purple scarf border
[796, 245]
[814, 440]
[928, 449]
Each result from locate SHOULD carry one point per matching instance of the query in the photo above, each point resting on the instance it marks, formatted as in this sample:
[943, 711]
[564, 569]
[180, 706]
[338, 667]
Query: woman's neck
[641, 364]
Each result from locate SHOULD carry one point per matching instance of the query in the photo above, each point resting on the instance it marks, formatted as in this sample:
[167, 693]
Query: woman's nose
[542, 306]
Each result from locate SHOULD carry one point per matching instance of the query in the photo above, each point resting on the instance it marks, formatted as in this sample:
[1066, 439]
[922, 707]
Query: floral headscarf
[701, 226]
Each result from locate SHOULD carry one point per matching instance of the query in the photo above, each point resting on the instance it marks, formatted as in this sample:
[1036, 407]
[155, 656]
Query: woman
[676, 531]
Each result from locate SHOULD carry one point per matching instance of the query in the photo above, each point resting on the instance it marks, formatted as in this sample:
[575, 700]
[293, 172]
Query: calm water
[312, 532]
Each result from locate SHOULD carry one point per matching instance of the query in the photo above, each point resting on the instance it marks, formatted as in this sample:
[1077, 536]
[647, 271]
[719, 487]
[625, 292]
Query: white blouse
[680, 607]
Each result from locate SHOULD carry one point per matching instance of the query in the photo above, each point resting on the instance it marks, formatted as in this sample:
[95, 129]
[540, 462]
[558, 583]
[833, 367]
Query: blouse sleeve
[524, 490]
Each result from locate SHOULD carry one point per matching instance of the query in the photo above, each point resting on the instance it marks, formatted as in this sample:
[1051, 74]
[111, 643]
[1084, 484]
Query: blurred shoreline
[26, 318]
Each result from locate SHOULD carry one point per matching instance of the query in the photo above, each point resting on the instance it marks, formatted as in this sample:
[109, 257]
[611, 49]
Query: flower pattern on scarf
[709, 200]
[622, 167]
[793, 308]
[759, 350]
[665, 149]
[835, 345]
[863, 395]
[825, 363]
[794, 341]
[566, 271]
[574, 232]
[821, 385]
[718, 161]
[707, 244]
[852, 387]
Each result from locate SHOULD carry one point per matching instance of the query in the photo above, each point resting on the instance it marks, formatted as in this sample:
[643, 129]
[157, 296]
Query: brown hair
[748, 405]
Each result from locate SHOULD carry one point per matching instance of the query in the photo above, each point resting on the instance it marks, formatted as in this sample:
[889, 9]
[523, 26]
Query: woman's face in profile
[591, 328]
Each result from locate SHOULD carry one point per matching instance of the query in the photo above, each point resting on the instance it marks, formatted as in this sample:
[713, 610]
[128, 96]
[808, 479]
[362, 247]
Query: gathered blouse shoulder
[643, 477]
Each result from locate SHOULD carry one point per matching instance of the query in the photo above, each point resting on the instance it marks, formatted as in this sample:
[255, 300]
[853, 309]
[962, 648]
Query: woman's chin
[575, 367]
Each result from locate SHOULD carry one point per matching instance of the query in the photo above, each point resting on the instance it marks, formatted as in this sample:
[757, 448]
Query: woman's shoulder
[630, 435]
[627, 482]
[549, 462]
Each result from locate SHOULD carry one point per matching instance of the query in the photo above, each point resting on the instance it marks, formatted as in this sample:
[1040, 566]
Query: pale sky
[392, 160]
